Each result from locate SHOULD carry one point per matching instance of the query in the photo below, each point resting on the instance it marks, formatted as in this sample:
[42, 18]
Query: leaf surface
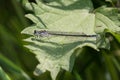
[56, 52]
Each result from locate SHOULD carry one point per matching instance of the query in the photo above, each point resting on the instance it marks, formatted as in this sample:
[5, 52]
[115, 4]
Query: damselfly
[45, 33]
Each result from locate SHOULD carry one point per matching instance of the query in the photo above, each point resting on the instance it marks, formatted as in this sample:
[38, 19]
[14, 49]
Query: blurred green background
[18, 63]
[14, 58]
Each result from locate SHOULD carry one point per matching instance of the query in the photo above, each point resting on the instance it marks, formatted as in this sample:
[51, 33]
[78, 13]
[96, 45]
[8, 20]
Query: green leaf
[111, 13]
[106, 18]
[117, 37]
[78, 77]
[13, 69]
[68, 4]
[56, 52]
[103, 42]
[53, 56]
[3, 75]
[103, 22]
[110, 65]
[109, 0]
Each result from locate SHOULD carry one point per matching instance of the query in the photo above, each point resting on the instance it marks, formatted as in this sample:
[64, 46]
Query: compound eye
[35, 31]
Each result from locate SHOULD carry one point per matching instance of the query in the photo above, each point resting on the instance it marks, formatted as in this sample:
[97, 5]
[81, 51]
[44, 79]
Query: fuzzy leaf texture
[57, 52]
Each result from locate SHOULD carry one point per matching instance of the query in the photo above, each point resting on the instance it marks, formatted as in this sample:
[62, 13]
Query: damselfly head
[42, 33]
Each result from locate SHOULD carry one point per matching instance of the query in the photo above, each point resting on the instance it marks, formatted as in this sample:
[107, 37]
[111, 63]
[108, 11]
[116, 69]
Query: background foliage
[17, 63]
